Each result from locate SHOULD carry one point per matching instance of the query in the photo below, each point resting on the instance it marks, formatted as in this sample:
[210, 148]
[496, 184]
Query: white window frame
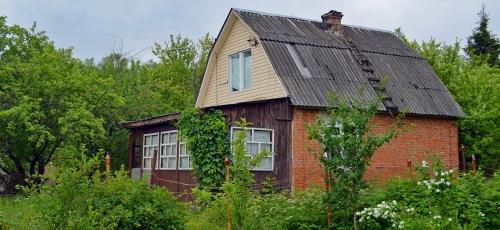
[144, 146]
[241, 55]
[252, 129]
[340, 128]
[176, 144]
[181, 155]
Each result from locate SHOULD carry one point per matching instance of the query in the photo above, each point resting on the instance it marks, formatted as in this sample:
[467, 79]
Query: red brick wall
[427, 137]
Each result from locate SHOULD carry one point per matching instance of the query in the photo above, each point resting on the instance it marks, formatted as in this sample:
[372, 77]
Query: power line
[108, 35]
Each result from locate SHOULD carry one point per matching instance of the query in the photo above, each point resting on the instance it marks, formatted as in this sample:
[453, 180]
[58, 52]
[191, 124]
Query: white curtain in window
[247, 63]
[235, 73]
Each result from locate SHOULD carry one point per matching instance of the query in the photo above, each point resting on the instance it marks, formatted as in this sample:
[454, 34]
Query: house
[277, 72]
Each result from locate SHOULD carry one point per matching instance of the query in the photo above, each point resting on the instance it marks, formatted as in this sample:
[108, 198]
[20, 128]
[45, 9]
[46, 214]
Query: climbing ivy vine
[207, 140]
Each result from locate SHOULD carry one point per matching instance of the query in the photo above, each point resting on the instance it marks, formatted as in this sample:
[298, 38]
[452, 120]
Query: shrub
[80, 197]
[303, 209]
[439, 199]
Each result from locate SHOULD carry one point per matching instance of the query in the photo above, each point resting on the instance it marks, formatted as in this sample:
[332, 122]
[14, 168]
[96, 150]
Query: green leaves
[346, 145]
[206, 136]
[474, 86]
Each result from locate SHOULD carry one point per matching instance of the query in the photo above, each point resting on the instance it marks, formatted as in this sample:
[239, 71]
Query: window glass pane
[173, 138]
[265, 147]
[163, 150]
[147, 163]
[182, 149]
[174, 150]
[153, 150]
[163, 163]
[262, 135]
[164, 138]
[252, 148]
[155, 139]
[247, 57]
[248, 134]
[147, 140]
[266, 163]
[184, 162]
[171, 162]
[235, 73]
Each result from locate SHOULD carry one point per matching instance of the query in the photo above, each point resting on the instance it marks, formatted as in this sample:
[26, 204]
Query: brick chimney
[334, 20]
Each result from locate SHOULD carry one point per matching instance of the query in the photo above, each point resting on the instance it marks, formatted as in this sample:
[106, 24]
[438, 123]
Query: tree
[475, 87]
[482, 42]
[48, 101]
[346, 145]
[182, 63]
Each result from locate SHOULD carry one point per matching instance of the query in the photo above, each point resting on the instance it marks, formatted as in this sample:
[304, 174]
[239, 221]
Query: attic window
[240, 71]
[304, 71]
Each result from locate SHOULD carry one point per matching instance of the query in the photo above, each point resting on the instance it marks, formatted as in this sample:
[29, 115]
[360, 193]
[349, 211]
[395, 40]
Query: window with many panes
[258, 140]
[168, 150]
[240, 71]
[173, 152]
[184, 156]
[150, 145]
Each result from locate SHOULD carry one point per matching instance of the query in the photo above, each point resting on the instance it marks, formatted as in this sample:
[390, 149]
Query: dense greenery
[475, 87]
[51, 103]
[346, 145]
[434, 199]
[482, 43]
[79, 196]
[206, 137]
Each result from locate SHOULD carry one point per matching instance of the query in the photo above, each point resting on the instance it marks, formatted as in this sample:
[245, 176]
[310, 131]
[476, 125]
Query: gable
[215, 89]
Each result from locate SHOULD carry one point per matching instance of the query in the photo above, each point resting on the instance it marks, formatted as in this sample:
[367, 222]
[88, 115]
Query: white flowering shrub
[434, 199]
[440, 183]
[385, 213]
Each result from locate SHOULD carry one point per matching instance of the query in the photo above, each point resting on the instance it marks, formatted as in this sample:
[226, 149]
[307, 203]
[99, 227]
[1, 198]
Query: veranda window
[173, 152]
[150, 145]
[184, 156]
[258, 140]
[168, 155]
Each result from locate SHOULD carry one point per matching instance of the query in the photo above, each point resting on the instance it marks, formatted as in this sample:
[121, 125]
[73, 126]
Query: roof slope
[312, 62]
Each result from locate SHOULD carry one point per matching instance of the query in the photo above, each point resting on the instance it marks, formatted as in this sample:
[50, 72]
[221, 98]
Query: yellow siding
[265, 83]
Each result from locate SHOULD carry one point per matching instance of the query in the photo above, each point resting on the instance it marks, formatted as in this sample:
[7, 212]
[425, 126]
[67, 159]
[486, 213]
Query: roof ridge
[308, 19]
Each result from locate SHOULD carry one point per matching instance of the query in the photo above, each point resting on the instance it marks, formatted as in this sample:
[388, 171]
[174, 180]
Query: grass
[15, 213]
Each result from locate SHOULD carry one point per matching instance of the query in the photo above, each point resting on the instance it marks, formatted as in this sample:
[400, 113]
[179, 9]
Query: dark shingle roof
[346, 65]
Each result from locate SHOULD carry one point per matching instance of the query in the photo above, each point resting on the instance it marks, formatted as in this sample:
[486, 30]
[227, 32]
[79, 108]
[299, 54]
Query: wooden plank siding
[272, 114]
[265, 84]
[180, 176]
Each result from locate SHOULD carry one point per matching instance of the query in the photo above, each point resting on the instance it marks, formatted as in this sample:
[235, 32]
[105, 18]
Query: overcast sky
[96, 28]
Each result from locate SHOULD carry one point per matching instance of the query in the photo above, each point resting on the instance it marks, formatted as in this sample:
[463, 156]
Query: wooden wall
[265, 83]
[272, 114]
[182, 177]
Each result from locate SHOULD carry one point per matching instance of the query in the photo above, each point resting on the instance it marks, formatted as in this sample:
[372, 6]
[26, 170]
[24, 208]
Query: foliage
[482, 43]
[346, 147]
[238, 190]
[52, 103]
[206, 137]
[302, 209]
[475, 87]
[78, 196]
[436, 199]
[47, 100]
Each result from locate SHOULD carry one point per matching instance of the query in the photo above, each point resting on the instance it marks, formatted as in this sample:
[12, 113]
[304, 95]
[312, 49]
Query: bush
[80, 197]
[438, 200]
[304, 209]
